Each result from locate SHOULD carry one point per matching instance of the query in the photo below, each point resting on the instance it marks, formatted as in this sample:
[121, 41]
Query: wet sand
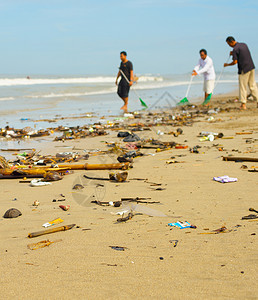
[82, 265]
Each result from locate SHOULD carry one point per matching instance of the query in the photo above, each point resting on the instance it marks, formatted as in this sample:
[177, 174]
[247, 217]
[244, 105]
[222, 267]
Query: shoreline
[32, 103]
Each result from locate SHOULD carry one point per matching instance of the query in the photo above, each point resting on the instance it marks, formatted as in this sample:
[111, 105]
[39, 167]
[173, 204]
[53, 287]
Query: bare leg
[124, 107]
[243, 106]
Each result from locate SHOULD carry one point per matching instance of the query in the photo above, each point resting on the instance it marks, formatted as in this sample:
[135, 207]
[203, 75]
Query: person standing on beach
[205, 67]
[123, 87]
[246, 74]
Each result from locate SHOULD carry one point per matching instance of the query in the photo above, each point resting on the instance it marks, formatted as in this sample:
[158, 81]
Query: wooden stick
[123, 166]
[22, 172]
[41, 171]
[52, 230]
[124, 219]
[239, 133]
[234, 158]
[22, 149]
[20, 177]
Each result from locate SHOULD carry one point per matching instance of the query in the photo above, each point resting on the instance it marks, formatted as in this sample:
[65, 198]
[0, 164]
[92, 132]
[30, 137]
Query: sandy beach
[158, 261]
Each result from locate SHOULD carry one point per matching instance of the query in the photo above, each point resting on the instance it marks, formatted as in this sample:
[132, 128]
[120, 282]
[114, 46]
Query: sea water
[26, 100]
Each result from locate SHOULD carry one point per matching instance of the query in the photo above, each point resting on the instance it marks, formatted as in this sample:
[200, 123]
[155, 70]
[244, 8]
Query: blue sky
[86, 37]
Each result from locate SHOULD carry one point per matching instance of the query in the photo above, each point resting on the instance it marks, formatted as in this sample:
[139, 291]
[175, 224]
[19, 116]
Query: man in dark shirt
[126, 68]
[242, 57]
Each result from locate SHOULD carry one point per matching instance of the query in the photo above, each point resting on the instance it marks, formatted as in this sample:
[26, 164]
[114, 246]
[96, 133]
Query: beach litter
[52, 176]
[118, 177]
[254, 170]
[182, 225]
[118, 248]
[209, 137]
[131, 138]
[129, 156]
[195, 149]
[12, 213]
[222, 229]
[58, 200]
[207, 133]
[115, 204]
[39, 182]
[138, 208]
[244, 132]
[139, 200]
[177, 132]
[54, 222]
[252, 209]
[41, 244]
[26, 132]
[250, 217]
[124, 219]
[119, 203]
[172, 161]
[174, 242]
[64, 207]
[113, 176]
[51, 230]
[224, 179]
[240, 159]
[78, 186]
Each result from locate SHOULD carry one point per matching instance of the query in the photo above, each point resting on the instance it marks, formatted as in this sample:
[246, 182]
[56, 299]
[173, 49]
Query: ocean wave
[63, 95]
[168, 83]
[152, 84]
[78, 80]
[6, 98]
[150, 78]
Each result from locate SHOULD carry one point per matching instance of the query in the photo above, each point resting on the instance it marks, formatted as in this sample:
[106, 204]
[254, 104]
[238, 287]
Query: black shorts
[123, 89]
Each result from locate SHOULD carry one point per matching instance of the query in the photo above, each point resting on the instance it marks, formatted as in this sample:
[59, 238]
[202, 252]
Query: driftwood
[41, 244]
[244, 132]
[118, 203]
[20, 177]
[52, 230]
[236, 158]
[122, 166]
[14, 150]
[124, 219]
[20, 173]
[140, 200]
[40, 172]
[252, 209]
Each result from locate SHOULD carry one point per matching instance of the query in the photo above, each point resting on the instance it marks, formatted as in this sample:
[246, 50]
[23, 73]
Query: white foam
[150, 78]
[63, 95]
[79, 80]
[152, 84]
[6, 98]
[163, 84]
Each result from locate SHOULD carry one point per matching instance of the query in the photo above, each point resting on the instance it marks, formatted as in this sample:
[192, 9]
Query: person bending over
[205, 67]
[246, 74]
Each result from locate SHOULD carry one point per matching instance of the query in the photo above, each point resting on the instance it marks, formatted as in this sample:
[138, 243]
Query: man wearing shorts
[123, 87]
[246, 74]
[205, 67]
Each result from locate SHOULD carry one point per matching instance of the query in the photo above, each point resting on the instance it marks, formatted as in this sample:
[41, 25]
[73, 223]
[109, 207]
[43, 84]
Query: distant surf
[72, 80]
[43, 97]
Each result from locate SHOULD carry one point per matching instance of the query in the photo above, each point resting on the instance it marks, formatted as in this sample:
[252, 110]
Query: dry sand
[82, 265]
